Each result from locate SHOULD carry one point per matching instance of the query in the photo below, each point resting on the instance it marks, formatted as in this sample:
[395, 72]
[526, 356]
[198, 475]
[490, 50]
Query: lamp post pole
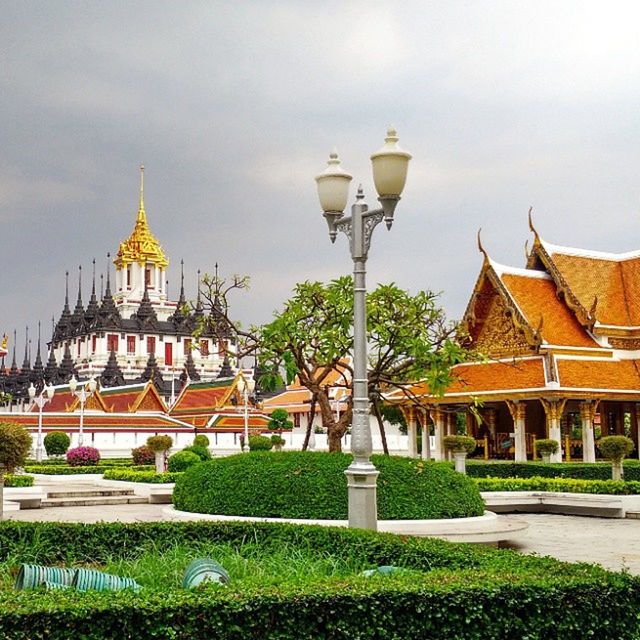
[246, 386]
[83, 395]
[389, 172]
[46, 395]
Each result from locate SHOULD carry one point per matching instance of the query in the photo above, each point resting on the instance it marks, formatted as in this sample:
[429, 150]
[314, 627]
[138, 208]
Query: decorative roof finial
[141, 206]
[481, 248]
[66, 287]
[531, 227]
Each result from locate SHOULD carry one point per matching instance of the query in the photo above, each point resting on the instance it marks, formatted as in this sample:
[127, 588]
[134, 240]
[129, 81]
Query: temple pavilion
[561, 345]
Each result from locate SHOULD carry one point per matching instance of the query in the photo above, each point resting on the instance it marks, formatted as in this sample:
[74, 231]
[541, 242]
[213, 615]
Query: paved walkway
[613, 543]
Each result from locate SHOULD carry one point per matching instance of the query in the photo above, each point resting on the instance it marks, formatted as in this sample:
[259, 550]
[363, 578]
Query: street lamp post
[46, 395]
[390, 166]
[83, 395]
[246, 387]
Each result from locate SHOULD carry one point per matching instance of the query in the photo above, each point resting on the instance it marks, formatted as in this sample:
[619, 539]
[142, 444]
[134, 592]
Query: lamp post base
[363, 504]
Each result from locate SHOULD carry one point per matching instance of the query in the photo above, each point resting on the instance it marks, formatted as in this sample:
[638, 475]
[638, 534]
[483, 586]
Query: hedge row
[313, 485]
[105, 462]
[568, 485]
[465, 592]
[60, 470]
[152, 477]
[578, 470]
[11, 480]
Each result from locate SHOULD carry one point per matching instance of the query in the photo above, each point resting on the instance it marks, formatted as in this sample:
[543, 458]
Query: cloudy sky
[234, 106]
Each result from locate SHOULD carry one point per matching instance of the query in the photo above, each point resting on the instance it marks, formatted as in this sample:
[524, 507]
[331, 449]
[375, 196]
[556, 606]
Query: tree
[311, 338]
[279, 421]
[15, 444]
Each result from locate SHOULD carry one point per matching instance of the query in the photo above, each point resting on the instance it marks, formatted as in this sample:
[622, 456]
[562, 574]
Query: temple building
[134, 332]
[561, 340]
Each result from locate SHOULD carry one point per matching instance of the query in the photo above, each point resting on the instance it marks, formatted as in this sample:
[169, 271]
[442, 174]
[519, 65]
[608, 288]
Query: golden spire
[141, 246]
[141, 211]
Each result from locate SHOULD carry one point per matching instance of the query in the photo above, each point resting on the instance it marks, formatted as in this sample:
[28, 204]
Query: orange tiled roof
[615, 282]
[104, 421]
[472, 379]
[131, 398]
[199, 397]
[536, 298]
[617, 375]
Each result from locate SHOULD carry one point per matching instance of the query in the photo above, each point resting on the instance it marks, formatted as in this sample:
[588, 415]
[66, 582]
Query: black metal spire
[77, 319]
[25, 370]
[64, 324]
[112, 375]
[109, 316]
[225, 369]
[67, 367]
[151, 372]
[38, 369]
[190, 367]
[93, 307]
[199, 312]
[146, 314]
[179, 316]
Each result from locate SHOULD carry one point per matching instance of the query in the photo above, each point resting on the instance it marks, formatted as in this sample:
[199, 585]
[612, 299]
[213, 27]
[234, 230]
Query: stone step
[89, 493]
[634, 515]
[93, 501]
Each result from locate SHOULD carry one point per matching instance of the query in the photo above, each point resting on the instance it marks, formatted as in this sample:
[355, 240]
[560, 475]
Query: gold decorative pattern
[141, 246]
[629, 344]
[499, 334]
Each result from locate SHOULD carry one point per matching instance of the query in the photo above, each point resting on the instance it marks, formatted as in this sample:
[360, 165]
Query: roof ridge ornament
[481, 248]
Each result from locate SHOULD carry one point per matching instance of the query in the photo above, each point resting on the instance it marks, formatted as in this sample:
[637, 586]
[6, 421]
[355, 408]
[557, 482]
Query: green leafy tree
[311, 338]
[15, 444]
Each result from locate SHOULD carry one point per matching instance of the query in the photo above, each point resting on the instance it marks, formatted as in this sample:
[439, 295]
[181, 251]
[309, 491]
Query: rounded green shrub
[15, 443]
[615, 448]
[201, 440]
[182, 460]
[312, 485]
[159, 444]
[546, 446]
[202, 452]
[459, 444]
[260, 443]
[143, 455]
[56, 443]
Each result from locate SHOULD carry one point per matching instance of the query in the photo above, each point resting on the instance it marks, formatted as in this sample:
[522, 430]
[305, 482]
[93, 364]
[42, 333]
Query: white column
[587, 413]
[518, 413]
[438, 416]
[426, 436]
[553, 410]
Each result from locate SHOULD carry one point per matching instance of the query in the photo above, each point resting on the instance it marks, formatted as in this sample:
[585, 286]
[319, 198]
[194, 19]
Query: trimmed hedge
[568, 485]
[11, 480]
[65, 470]
[150, 476]
[465, 592]
[313, 485]
[182, 460]
[579, 470]
[105, 462]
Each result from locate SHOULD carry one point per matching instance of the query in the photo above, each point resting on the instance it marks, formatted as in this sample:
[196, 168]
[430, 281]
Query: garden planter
[460, 461]
[546, 457]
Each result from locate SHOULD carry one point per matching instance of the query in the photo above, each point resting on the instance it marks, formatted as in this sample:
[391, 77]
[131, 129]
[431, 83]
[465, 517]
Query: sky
[233, 108]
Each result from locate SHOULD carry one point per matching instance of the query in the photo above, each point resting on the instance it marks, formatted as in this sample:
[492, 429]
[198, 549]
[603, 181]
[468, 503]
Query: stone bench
[24, 497]
[576, 504]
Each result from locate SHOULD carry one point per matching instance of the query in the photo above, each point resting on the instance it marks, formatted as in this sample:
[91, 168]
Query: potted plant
[616, 449]
[277, 442]
[15, 444]
[160, 445]
[460, 446]
[546, 448]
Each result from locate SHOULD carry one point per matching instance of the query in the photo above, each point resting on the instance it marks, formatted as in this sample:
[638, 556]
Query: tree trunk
[312, 415]
[383, 435]
[335, 429]
[1, 494]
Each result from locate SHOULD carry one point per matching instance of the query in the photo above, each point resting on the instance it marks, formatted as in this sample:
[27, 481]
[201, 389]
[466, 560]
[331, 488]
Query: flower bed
[450, 591]
[313, 486]
[147, 476]
[567, 485]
